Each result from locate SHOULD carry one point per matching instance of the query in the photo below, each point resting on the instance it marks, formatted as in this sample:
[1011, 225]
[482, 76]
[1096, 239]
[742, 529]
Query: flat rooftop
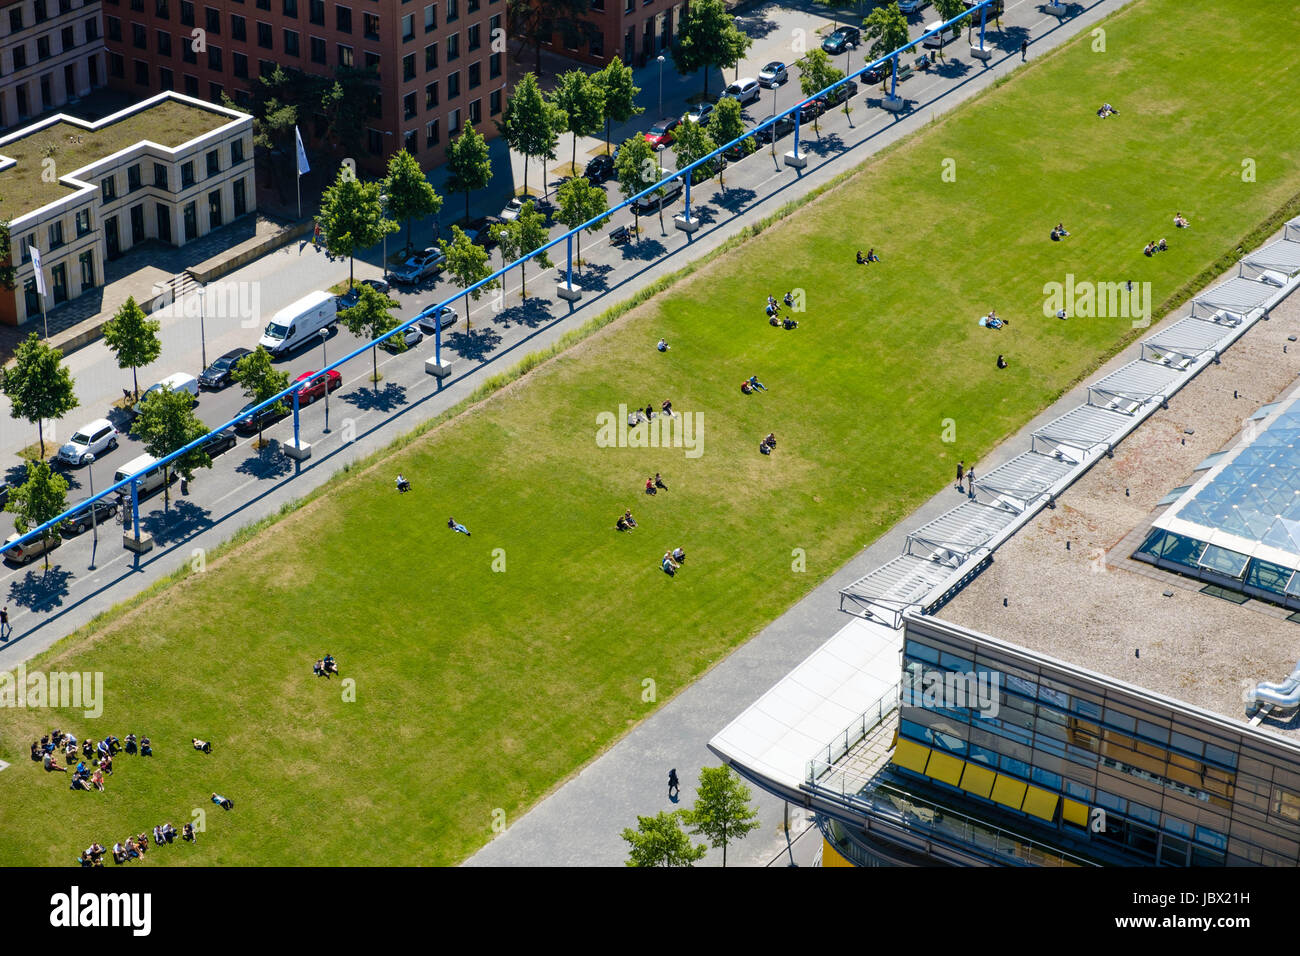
[168, 123]
[1094, 607]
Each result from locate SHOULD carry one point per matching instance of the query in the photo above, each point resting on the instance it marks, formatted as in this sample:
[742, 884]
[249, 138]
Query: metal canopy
[1129, 388]
[1083, 429]
[906, 579]
[1292, 229]
[1026, 476]
[1234, 300]
[1282, 256]
[957, 535]
[1184, 342]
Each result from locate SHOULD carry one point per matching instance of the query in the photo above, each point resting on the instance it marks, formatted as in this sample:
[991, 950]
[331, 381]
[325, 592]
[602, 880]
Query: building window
[494, 66]
[291, 43]
[265, 67]
[214, 162]
[264, 36]
[214, 209]
[164, 43]
[236, 152]
[114, 34]
[453, 47]
[59, 275]
[241, 203]
[108, 188]
[31, 297]
[345, 55]
[41, 15]
[56, 234]
[430, 18]
[291, 8]
[453, 87]
[116, 68]
[187, 51]
[134, 180]
[87, 260]
[316, 12]
[136, 5]
[214, 58]
[160, 176]
[20, 52]
[43, 47]
[187, 175]
[431, 136]
[92, 30]
[83, 222]
[411, 141]
[431, 95]
[375, 142]
[160, 9]
[476, 112]
[430, 57]
[68, 39]
[166, 79]
[214, 92]
[453, 123]
[408, 66]
[408, 27]
[243, 99]
[238, 27]
[598, 5]
[370, 26]
[372, 61]
[318, 54]
[191, 85]
[494, 103]
[239, 63]
[139, 36]
[15, 19]
[408, 106]
[472, 39]
[343, 18]
[187, 13]
[213, 20]
[452, 11]
[141, 73]
[191, 221]
[475, 76]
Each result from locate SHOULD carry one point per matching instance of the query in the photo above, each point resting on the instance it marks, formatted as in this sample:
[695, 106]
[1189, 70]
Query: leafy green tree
[659, 841]
[693, 143]
[132, 337]
[722, 813]
[38, 385]
[580, 201]
[41, 498]
[410, 194]
[708, 37]
[345, 105]
[947, 10]
[620, 93]
[725, 124]
[637, 168]
[352, 216]
[886, 27]
[259, 380]
[582, 98]
[816, 72]
[534, 22]
[370, 318]
[468, 264]
[467, 164]
[166, 423]
[524, 235]
[531, 124]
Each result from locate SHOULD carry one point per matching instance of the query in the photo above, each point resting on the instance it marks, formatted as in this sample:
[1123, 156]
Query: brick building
[635, 30]
[440, 64]
[51, 54]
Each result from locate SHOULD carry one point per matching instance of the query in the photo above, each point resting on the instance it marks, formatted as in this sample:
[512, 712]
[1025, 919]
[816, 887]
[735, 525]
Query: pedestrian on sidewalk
[1024, 48]
[315, 237]
[673, 789]
[961, 471]
[970, 480]
[5, 627]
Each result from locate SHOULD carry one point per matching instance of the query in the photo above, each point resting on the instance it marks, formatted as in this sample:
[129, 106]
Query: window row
[161, 175]
[19, 58]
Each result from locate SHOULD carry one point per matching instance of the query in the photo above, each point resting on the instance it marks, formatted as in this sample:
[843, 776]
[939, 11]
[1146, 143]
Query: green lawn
[481, 689]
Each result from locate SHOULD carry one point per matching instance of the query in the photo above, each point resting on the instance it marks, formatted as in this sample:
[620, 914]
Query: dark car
[783, 126]
[249, 424]
[217, 375]
[480, 231]
[650, 202]
[992, 11]
[811, 109]
[223, 440]
[845, 38]
[599, 169]
[88, 515]
[741, 149]
[846, 90]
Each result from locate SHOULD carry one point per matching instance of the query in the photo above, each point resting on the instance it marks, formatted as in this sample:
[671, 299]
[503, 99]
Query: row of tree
[722, 814]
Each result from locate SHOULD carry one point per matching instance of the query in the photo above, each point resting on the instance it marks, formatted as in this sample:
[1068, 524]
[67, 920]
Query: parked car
[742, 149]
[745, 90]
[783, 126]
[93, 439]
[412, 336]
[599, 169]
[698, 114]
[649, 203]
[427, 325]
[878, 73]
[310, 391]
[846, 90]
[30, 551]
[773, 75]
[82, 520]
[223, 440]
[480, 231]
[912, 6]
[350, 298]
[845, 38]
[512, 209]
[249, 423]
[992, 11]
[661, 134]
[811, 109]
[176, 382]
[217, 375]
[420, 266]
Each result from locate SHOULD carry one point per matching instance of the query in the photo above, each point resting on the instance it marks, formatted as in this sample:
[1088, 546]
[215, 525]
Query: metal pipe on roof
[1285, 695]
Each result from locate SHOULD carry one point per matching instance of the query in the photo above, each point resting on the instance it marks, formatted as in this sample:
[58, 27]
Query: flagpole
[45, 320]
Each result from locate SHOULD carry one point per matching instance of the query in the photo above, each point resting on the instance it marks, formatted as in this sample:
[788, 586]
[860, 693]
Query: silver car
[419, 266]
[773, 75]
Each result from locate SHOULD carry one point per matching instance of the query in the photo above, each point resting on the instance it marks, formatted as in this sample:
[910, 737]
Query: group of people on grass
[652, 485]
[774, 317]
[325, 666]
[134, 848]
[639, 415]
[1153, 247]
[1107, 110]
[1059, 232]
[869, 257]
[404, 485]
[672, 560]
[751, 385]
[85, 776]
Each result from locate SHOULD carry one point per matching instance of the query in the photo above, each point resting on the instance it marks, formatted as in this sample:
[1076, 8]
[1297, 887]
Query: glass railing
[844, 741]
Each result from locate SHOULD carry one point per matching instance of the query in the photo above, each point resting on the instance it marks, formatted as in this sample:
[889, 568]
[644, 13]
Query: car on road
[773, 75]
[350, 298]
[93, 439]
[599, 169]
[420, 266]
[912, 6]
[249, 423]
[88, 515]
[783, 126]
[992, 11]
[30, 551]
[310, 391]
[649, 203]
[846, 90]
[427, 325]
[661, 134]
[512, 209]
[217, 375]
[845, 38]
[698, 114]
[811, 109]
[412, 336]
[745, 90]
[742, 149]
[223, 440]
[877, 73]
[480, 231]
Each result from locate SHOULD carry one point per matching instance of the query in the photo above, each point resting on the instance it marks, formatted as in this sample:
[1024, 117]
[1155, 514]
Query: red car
[661, 134]
[314, 390]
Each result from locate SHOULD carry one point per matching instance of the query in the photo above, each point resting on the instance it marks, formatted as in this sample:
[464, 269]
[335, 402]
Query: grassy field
[488, 668]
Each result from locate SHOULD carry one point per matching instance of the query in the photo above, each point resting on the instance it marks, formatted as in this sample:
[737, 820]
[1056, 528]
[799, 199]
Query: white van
[149, 484]
[299, 323]
[176, 382]
[937, 41]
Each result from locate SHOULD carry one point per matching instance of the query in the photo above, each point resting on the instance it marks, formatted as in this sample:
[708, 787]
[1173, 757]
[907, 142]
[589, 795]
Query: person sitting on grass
[663, 345]
[132, 853]
[649, 411]
[1162, 246]
[746, 387]
[621, 524]
[97, 780]
[202, 745]
[1180, 221]
[667, 564]
[114, 745]
[1002, 362]
[775, 321]
[650, 487]
[225, 803]
[788, 299]
[754, 382]
[132, 747]
[36, 750]
[70, 752]
[1149, 250]
[119, 853]
[659, 482]
[146, 749]
[668, 408]
[679, 556]
[771, 311]
[790, 323]
[87, 749]
[331, 665]
[187, 833]
[862, 260]
[456, 526]
[50, 766]
[871, 256]
[79, 783]
[142, 844]
[106, 765]
[168, 832]
[158, 836]
[403, 484]
[319, 669]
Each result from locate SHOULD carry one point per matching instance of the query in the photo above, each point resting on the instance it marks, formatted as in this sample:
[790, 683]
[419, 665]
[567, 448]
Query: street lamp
[660, 58]
[94, 509]
[741, 29]
[203, 337]
[324, 362]
[383, 206]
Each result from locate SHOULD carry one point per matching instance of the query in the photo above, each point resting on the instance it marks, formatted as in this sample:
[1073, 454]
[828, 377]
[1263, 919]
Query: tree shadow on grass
[476, 344]
[182, 519]
[385, 399]
[531, 313]
[269, 462]
[39, 590]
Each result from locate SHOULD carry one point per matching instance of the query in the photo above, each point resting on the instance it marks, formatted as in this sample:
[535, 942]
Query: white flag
[36, 264]
[302, 153]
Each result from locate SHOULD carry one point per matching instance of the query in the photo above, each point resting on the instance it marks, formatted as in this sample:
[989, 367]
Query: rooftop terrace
[168, 123]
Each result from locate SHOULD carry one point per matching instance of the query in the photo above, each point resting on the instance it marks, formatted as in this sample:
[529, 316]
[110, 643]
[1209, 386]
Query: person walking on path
[673, 789]
[1024, 48]
[5, 627]
[970, 480]
[454, 526]
[961, 471]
